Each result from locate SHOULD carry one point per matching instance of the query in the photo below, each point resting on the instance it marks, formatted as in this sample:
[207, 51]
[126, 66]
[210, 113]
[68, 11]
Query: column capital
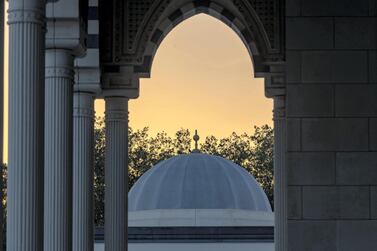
[59, 64]
[122, 82]
[83, 105]
[120, 93]
[26, 16]
[116, 109]
[88, 73]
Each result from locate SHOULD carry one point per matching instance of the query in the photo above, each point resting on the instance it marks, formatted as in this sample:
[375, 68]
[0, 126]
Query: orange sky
[202, 78]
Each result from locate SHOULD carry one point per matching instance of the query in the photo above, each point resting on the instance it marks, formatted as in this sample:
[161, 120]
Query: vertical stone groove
[83, 164]
[58, 150]
[116, 170]
[280, 175]
[26, 21]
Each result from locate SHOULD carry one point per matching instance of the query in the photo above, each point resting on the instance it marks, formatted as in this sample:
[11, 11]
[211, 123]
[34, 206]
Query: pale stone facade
[318, 58]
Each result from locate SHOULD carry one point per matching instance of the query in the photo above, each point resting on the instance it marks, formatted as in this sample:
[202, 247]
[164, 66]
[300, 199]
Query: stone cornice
[274, 77]
[87, 80]
[58, 37]
[65, 27]
[124, 93]
[124, 83]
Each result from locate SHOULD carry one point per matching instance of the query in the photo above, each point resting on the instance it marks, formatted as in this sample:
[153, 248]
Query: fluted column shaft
[83, 164]
[116, 174]
[26, 21]
[58, 150]
[280, 175]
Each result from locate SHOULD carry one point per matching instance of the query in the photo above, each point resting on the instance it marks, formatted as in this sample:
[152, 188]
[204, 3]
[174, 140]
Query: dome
[197, 181]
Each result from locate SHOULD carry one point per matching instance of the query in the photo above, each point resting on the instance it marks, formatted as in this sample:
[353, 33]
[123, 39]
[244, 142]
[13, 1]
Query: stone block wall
[332, 124]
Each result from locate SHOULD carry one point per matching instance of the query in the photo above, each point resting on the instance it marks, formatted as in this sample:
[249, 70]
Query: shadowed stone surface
[310, 33]
[294, 202]
[357, 235]
[335, 202]
[373, 196]
[358, 168]
[311, 168]
[356, 33]
[372, 66]
[302, 100]
[334, 66]
[346, 96]
[335, 7]
[293, 7]
[312, 235]
[294, 134]
[335, 134]
[293, 66]
[332, 44]
[373, 134]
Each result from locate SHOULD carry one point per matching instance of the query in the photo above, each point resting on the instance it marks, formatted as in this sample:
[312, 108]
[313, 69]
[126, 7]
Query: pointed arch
[250, 29]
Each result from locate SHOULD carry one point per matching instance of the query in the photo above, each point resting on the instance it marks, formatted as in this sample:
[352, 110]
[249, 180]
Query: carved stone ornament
[127, 27]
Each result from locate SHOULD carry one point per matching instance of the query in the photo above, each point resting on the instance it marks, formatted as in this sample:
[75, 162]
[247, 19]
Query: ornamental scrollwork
[127, 26]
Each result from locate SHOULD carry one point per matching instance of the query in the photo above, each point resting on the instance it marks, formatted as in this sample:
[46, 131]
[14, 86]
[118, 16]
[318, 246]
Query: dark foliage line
[253, 152]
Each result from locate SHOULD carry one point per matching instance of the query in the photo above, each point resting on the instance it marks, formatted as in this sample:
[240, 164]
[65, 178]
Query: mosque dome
[197, 181]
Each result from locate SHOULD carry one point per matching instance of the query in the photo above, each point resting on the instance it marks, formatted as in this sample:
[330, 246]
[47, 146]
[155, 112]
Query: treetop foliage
[253, 152]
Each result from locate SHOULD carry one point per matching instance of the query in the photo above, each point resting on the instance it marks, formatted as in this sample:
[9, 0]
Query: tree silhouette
[253, 152]
[99, 173]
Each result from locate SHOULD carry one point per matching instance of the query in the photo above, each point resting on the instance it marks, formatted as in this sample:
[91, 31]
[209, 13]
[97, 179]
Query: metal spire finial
[196, 139]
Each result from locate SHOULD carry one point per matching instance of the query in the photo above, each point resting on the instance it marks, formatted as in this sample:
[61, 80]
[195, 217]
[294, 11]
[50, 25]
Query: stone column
[26, 21]
[83, 164]
[280, 175]
[58, 150]
[116, 170]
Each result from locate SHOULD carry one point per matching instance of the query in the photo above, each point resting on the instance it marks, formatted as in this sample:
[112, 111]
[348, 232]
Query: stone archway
[342, 126]
[138, 28]
[255, 39]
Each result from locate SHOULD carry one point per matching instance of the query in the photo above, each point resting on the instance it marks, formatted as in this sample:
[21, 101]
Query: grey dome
[197, 181]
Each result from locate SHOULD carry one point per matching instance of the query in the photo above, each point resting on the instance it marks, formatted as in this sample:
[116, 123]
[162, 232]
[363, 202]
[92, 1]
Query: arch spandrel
[138, 27]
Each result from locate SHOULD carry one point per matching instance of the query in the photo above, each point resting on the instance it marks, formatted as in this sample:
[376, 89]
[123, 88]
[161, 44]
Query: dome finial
[196, 139]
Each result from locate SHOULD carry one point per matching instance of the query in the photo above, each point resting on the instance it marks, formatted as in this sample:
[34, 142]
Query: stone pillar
[58, 150]
[116, 170]
[280, 175]
[26, 21]
[83, 164]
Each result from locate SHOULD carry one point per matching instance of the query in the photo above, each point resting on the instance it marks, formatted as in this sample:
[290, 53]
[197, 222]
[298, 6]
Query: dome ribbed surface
[197, 181]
